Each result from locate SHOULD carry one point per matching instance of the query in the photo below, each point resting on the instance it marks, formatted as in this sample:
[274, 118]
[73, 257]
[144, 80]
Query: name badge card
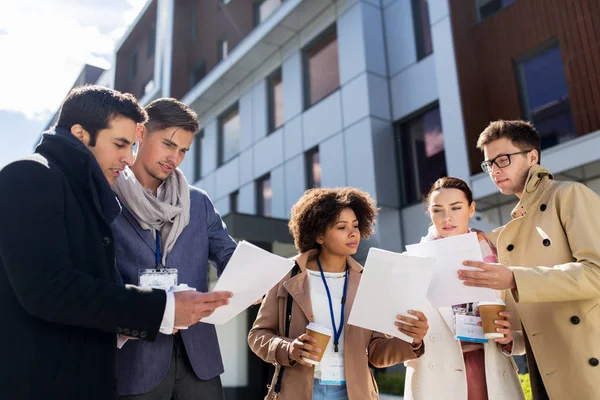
[468, 330]
[158, 278]
[332, 369]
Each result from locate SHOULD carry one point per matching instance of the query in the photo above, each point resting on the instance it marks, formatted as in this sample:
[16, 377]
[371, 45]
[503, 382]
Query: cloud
[40, 64]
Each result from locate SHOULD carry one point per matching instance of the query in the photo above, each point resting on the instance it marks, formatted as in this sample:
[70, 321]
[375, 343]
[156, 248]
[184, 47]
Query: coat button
[575, 320]
[119, 330]
[594, 362]
[546, 242]
[143, 334]
[105, 241]
[433, 338]
[510, 247]
[432, 366]
[134, 333]
[126, 331]
[543, 207]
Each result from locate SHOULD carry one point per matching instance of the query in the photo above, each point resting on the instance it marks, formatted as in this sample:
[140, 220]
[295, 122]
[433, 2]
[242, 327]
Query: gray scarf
[168, 214]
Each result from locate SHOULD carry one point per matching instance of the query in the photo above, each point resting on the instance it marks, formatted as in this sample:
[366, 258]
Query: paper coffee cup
[489, 311]
[180, 288]
[323, 335]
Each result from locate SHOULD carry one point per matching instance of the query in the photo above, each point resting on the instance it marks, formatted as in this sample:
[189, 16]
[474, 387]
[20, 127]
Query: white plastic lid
[320, 329]
[498, 302]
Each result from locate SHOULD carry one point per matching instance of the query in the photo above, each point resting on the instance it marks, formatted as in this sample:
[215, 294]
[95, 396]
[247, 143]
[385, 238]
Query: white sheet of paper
[445, 288]
[250, 274]
[391, 284]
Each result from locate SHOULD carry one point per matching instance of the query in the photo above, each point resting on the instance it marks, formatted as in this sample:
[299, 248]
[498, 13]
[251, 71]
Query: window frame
[198, 138]
[222, 40]
[522, 82]
[260, 200]
[220, 136]
[278, 73]
[234, 201]
[308, 163]
[410, 177]
[328, 34]
[418, 30]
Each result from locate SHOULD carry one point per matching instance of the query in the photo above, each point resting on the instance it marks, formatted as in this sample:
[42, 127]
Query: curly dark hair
[319, 208]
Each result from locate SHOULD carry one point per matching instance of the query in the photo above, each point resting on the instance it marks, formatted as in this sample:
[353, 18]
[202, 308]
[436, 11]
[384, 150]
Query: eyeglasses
[502, 161]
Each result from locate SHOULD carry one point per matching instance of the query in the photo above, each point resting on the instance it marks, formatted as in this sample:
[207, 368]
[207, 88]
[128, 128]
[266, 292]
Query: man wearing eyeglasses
[549, 256]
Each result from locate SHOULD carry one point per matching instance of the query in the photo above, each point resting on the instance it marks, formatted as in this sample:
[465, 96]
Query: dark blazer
[141, 366]
[60, 305]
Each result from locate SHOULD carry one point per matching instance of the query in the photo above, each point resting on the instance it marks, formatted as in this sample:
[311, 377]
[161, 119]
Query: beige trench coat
[552, 245]
[361, 346]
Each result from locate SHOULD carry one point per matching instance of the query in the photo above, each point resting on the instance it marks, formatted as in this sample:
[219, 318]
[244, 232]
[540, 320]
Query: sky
[44, 45]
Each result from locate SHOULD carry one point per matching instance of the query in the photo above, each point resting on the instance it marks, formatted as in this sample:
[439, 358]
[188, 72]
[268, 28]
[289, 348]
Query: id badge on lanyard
[158, 277]
[332, 364]
[332, 369]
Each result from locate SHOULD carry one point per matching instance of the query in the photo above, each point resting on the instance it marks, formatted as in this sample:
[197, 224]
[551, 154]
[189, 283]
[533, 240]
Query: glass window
[151, 42]
[133, 65]
[229, 138]
[198, 73]
[322, 68]
[313, 169]
[223, 49]
[421, 154]
[422, 28]
[265, 8]
[487, 8]
[275, 100]
[233, 201]
[198, 155]
[264, 196]
[545, 95]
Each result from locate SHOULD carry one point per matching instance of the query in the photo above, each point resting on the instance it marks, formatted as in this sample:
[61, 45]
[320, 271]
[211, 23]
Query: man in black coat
[59, 302]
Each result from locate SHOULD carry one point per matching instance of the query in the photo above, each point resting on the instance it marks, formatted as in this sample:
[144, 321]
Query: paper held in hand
[445, 288]
[250, 273]
[391, 284]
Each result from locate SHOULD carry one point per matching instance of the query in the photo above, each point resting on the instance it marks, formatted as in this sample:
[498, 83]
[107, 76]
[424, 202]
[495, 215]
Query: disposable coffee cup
[489, 311]
[323, 335]
[180, 288]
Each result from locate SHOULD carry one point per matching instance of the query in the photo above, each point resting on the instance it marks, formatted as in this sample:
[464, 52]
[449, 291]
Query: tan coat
[361, 346]
[552, 245]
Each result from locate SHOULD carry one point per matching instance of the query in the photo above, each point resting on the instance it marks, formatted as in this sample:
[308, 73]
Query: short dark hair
[449, 182]
[319, 209]
[522, 133]
[168, 112]
[93, 107]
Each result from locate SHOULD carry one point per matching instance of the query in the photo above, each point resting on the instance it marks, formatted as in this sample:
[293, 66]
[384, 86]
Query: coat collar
[298, 286]
[537, 180]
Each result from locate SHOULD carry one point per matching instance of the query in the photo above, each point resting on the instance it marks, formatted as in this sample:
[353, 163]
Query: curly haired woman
[327, 226]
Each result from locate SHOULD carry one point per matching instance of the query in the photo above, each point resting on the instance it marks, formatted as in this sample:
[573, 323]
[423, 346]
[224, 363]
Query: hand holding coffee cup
[494, 320]
[309, 347]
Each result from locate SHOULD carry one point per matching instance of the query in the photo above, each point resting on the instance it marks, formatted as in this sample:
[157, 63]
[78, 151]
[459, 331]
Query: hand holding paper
[391, 285]
[445, 288]
[249, 275]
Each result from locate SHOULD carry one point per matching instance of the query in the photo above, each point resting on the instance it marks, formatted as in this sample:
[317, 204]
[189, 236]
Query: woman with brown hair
[327, 226]
[471, 368]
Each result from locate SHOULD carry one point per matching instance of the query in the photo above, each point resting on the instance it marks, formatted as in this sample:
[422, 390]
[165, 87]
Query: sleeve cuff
[168, 321]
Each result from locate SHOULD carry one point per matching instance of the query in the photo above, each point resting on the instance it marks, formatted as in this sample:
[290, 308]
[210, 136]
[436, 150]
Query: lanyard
[337, 333]
[158, 254]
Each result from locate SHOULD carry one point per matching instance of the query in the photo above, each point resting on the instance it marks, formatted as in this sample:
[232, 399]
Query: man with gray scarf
[168, 232]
